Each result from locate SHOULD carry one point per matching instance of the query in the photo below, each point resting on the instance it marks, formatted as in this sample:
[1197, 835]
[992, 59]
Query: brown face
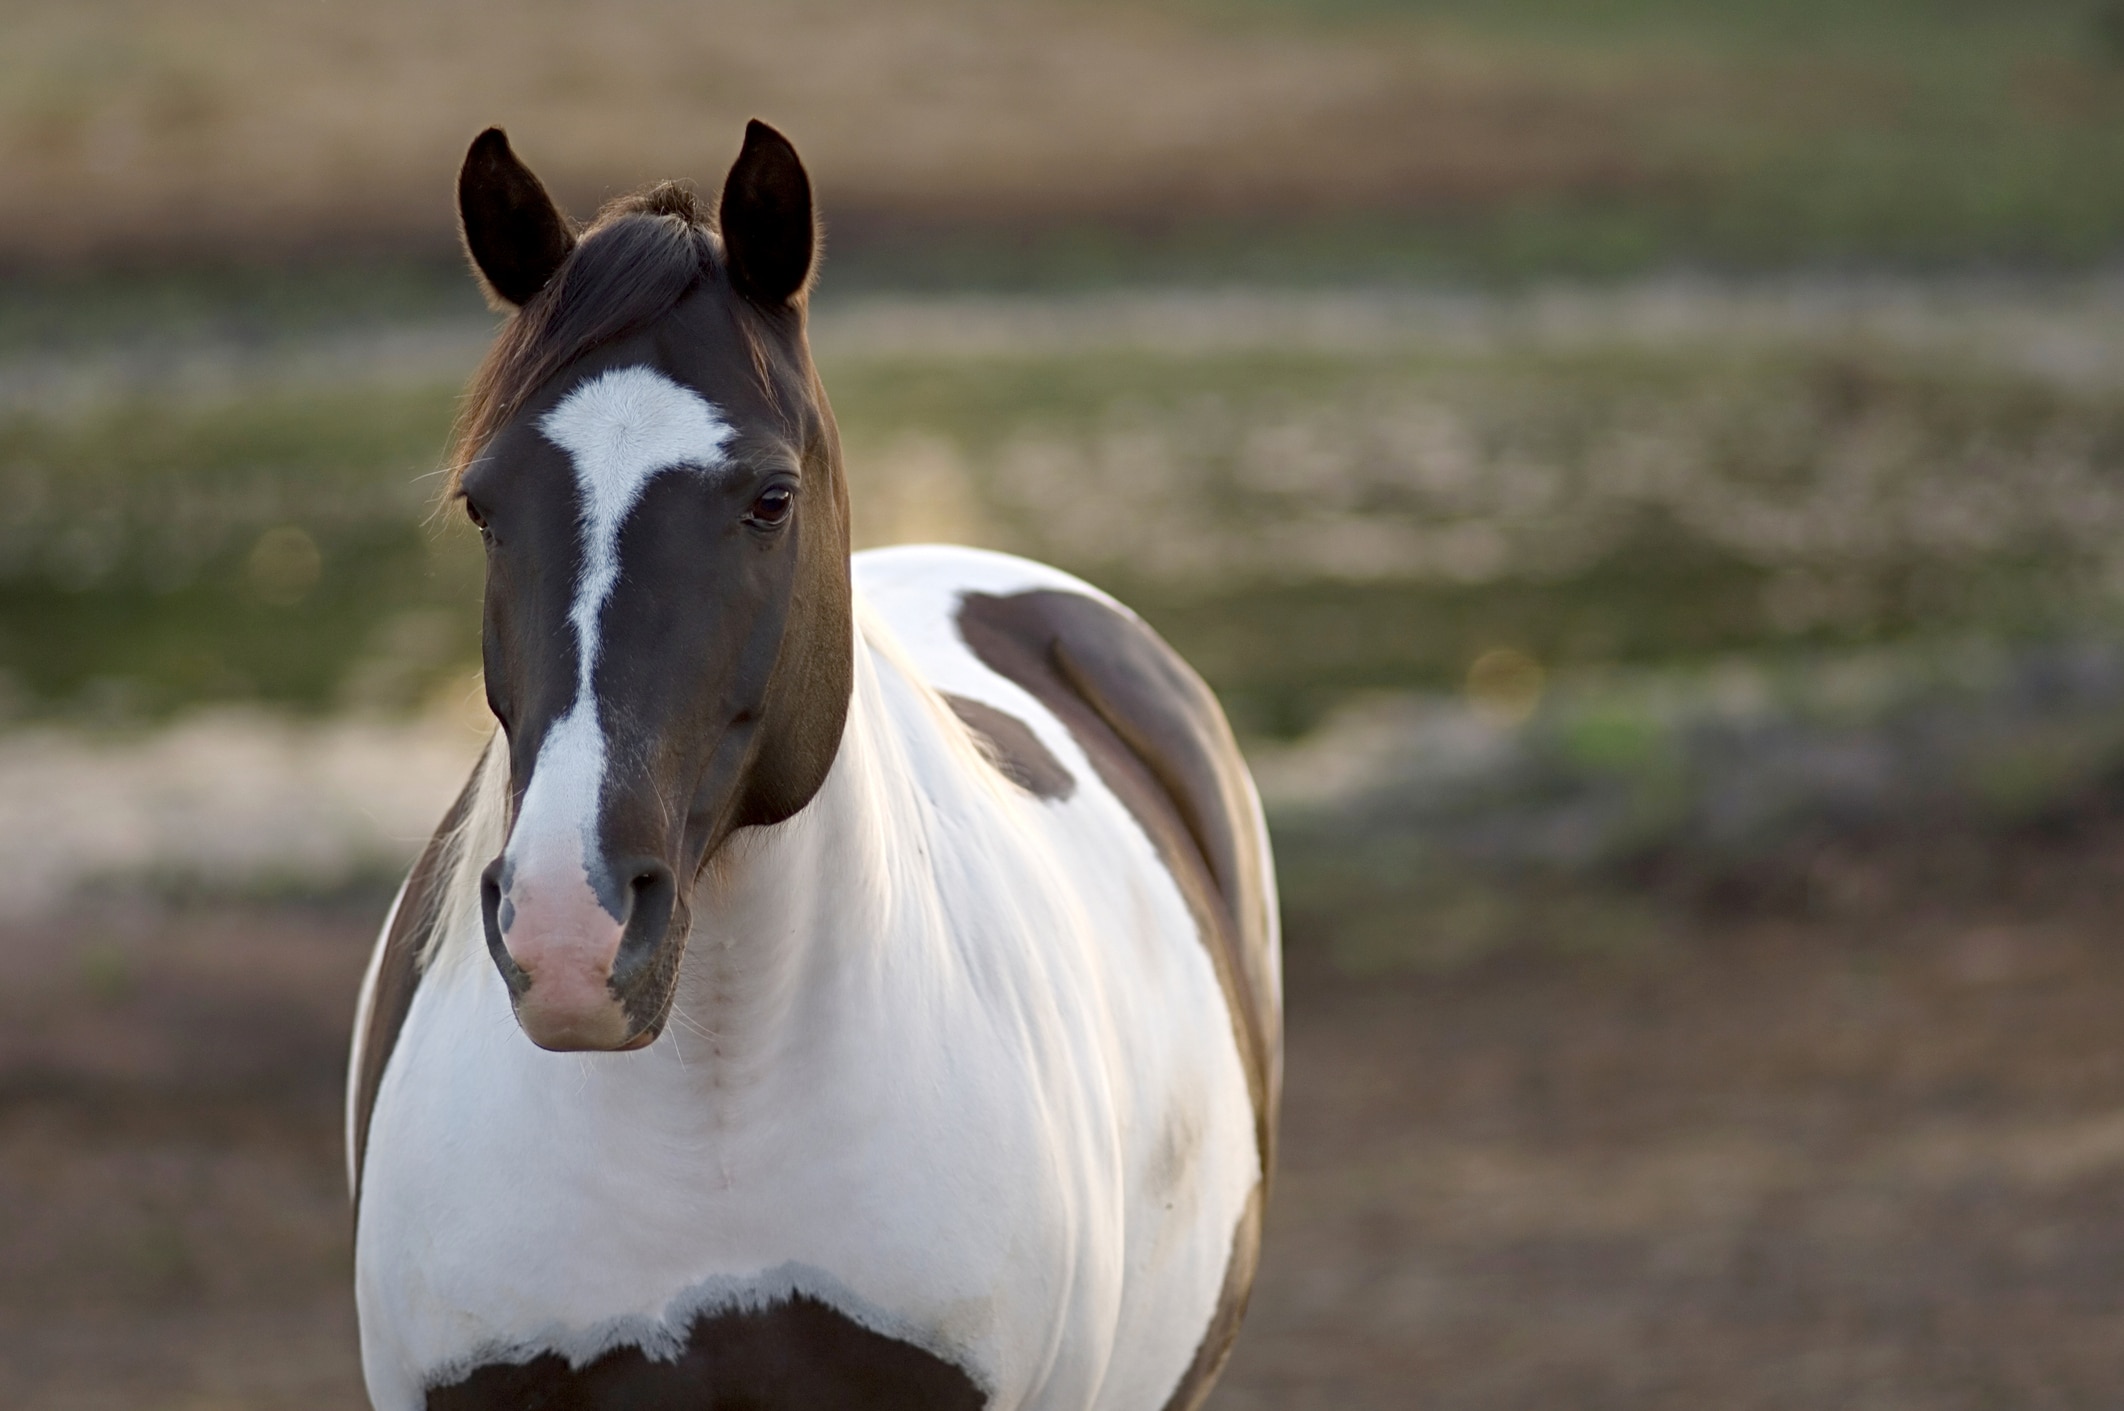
[667, 636]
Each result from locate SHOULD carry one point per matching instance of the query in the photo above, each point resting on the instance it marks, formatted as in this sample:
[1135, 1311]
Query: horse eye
[772, 507]
[472, 513]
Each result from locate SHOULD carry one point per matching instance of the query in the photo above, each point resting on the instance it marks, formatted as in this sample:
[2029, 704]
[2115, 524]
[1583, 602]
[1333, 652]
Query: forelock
[641, 256]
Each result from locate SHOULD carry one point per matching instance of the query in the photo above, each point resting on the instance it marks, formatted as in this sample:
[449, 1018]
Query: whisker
[700, 1030]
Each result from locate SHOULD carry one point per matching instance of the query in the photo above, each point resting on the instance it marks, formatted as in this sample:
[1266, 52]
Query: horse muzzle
[580, 976]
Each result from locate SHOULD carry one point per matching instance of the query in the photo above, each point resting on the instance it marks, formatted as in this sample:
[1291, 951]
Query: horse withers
[844, 982]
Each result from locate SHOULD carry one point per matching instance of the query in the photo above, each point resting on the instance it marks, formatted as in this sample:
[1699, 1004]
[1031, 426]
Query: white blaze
[619, 430]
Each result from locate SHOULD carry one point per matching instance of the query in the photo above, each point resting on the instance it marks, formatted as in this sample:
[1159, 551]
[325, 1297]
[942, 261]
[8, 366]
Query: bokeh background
[1645, 476]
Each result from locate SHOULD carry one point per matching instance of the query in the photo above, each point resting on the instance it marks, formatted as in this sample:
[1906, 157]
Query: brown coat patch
[1010, 745]
[792, 1356]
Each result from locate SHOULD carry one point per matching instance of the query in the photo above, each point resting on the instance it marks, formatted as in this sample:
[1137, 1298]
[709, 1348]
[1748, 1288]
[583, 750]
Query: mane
[478, 836]
[642, 254]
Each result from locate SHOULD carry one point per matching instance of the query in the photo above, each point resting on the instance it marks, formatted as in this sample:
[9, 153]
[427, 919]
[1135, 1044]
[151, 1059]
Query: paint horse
[843, 983]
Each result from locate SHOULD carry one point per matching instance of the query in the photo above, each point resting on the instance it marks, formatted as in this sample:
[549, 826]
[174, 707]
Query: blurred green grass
[1304, 521]
[1306, 526]
[61, 311]
[137, 557]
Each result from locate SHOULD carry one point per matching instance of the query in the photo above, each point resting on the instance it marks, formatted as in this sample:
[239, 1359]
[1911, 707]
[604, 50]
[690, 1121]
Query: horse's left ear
[769, 237]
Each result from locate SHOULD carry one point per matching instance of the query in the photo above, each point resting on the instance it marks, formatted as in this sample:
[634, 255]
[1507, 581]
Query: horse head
[656, 476]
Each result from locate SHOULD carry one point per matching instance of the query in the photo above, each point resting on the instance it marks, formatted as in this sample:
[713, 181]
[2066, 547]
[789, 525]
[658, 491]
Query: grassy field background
[1646, 480]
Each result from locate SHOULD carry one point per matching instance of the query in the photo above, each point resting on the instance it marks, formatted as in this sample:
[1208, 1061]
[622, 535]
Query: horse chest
[627, 1230]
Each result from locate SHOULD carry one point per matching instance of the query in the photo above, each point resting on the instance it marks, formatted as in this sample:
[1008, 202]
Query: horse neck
[787, 919]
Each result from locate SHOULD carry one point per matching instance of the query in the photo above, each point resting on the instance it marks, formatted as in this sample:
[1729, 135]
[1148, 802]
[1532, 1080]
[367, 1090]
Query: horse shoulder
[395, 970]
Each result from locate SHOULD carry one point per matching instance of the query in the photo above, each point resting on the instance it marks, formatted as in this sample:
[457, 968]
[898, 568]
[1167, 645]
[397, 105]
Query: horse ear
[769, 237]
[515, 234]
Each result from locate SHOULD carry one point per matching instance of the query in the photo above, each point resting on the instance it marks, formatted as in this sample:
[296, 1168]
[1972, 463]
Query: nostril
[649, 890]
[490, 896]
[652, 894]
[647, 873]
[495, 914]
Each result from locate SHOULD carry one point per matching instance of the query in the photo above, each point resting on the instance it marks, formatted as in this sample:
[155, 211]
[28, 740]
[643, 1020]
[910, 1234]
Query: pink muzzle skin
[565, 944]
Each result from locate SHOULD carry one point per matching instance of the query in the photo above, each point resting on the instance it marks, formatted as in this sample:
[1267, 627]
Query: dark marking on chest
[398, 973]
[791, 1356]
[1159, 741]
[1011, 746]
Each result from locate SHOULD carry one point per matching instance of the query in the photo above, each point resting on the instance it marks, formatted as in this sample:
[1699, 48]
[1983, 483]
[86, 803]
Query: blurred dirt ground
[1855, 1157]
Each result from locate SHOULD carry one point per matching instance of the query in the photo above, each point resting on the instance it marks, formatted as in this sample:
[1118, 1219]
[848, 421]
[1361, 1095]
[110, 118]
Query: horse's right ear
[514, 233]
